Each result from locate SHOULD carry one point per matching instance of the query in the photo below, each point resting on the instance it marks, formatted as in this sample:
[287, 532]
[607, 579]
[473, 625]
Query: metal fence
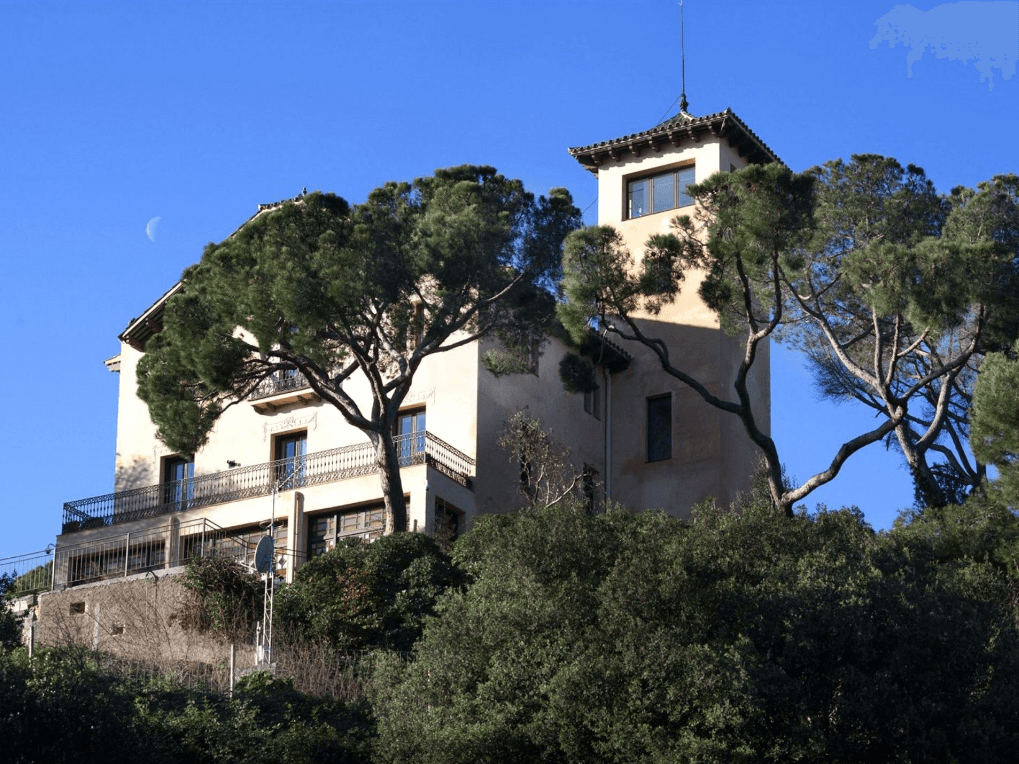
[315, 669]
[127, 554]
[31, 573]
[260, 479]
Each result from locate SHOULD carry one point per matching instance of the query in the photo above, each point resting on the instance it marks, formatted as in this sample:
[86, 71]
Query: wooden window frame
[680, 198]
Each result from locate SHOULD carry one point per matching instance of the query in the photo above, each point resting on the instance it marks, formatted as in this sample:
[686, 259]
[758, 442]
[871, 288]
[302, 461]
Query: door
[291, 460]
[410, 437]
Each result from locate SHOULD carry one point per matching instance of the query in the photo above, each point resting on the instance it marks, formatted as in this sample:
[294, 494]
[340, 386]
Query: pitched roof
[140, 329]
[682, 127]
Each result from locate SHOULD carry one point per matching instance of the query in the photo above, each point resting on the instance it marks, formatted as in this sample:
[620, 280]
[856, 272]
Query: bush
[224, 598]
[737, 637]
[361, 595]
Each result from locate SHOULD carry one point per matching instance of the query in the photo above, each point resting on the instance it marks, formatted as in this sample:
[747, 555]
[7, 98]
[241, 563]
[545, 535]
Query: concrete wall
[130, 618]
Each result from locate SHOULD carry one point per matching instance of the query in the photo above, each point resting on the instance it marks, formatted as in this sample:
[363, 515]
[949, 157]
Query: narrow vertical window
[447, 522]
[659, 428]
[588, 486]
[592, 402]
[686, 178]
[664, 192]
[639, 198]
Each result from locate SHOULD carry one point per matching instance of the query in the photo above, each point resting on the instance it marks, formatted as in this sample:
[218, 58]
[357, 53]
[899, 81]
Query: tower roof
[674, 131]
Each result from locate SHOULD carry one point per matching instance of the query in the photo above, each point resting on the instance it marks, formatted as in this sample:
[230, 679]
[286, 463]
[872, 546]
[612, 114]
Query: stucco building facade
[642, 438]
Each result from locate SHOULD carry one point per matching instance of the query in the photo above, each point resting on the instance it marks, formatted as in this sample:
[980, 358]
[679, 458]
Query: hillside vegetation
[555, 635]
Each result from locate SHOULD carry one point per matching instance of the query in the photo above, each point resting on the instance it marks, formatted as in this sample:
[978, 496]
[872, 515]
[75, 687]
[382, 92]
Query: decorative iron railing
[260, 479]
[276, 385]
[124, 554]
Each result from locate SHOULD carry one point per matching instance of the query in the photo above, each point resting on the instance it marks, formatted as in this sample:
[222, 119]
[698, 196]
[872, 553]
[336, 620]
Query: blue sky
[112, 114]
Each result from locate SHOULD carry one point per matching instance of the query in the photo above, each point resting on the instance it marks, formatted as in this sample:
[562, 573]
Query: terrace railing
[124, 554]
[260, 479]
[31, 573]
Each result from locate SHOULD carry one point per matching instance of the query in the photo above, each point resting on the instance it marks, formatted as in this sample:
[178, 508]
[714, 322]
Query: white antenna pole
[269, 591]
[272, 565]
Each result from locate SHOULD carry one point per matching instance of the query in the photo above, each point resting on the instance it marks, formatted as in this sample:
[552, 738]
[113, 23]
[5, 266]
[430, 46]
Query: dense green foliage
[10, 624]
[223, 598]
[325, 289]
[62, 708]
[360, 596]
[892, 292]
[995, 434]
[748, 637]
[559, 636]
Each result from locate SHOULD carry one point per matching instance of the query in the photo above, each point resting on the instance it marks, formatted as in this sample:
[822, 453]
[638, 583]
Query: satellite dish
[264, 555]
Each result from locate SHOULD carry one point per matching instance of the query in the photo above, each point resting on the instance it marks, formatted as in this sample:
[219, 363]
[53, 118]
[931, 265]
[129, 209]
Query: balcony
[282, 390]
[258, 480]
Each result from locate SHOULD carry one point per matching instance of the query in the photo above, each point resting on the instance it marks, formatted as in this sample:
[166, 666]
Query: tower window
[592, 402]
[657, 193]
[659, 428]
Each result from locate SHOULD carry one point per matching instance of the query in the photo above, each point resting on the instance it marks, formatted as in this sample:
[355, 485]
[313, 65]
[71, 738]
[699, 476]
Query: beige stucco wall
[540, 395]
[711, 454]
[445, 384]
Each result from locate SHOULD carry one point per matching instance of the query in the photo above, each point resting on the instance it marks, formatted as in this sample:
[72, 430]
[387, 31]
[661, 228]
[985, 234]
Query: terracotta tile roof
[682, 127]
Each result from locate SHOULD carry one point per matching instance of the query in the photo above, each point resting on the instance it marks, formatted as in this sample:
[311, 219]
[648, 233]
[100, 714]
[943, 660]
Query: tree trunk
[392, 484]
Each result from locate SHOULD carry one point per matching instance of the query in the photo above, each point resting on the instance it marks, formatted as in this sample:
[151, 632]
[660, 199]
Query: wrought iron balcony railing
[259, 480]
[282, 383]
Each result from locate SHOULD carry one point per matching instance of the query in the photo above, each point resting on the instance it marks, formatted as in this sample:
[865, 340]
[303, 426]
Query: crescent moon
[151, 226]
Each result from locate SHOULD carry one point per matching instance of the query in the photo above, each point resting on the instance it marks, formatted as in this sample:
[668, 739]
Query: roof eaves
[681, 127]
[148, 323]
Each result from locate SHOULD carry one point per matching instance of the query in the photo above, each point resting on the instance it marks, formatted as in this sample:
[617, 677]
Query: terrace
[125, 554]
[260, 480]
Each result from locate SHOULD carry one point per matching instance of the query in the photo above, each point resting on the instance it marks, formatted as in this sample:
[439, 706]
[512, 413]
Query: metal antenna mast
[683, 104]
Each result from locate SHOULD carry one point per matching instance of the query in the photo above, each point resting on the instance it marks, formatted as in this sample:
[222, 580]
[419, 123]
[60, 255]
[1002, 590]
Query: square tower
[671, 449]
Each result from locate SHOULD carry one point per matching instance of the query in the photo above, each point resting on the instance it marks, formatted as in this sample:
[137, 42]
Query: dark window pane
[659, 428]
[292, 450]
[178, 477]
[410, 431]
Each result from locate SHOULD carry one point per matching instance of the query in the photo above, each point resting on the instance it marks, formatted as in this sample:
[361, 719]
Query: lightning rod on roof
[683, 104]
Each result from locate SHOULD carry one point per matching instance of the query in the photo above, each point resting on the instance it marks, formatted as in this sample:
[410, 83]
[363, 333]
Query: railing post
[127, 551]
